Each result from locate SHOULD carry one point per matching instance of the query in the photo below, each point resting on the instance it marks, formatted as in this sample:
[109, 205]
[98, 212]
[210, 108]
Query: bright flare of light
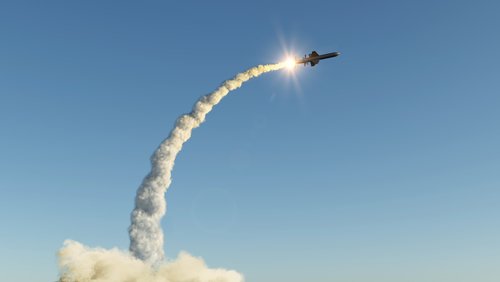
[290, 63]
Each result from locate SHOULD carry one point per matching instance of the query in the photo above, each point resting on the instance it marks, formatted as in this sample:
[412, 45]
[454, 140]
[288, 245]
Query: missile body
[314, 58]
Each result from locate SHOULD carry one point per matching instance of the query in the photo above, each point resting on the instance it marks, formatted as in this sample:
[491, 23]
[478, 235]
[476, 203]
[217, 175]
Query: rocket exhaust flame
[146, 235]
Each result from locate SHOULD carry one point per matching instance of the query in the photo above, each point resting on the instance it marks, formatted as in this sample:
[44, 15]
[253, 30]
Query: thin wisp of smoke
[83, 264]
[146, 236]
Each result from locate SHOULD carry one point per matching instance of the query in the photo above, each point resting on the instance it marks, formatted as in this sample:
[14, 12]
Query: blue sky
[380, 165]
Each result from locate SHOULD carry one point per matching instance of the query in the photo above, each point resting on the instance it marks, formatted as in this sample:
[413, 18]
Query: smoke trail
[146, 236]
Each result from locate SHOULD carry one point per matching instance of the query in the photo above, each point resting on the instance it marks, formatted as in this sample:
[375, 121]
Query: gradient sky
[380, 165]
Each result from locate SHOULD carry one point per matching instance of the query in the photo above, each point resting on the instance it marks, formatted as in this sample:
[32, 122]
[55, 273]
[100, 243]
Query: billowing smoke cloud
[146, 236]
[82, 264]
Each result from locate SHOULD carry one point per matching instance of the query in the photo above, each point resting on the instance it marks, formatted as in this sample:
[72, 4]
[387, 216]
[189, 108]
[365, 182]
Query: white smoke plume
[146, 236]
[82, 264]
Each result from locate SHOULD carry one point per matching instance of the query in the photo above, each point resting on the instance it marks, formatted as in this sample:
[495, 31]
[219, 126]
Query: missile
[314, 58]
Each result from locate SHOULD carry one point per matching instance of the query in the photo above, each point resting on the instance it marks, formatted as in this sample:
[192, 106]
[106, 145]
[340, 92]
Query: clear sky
[381, 165]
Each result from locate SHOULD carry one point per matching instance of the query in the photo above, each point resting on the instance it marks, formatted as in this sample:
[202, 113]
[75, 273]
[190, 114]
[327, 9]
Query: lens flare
[290, 63]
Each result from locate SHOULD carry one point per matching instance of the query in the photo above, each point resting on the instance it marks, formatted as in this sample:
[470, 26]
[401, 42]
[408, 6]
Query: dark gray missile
[314, 58]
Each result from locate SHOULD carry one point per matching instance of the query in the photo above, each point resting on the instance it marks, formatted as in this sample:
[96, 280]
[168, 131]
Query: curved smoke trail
[146, 236]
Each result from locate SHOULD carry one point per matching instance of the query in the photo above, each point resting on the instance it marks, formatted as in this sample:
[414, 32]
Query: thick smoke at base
[146, 236]
[82, 264]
